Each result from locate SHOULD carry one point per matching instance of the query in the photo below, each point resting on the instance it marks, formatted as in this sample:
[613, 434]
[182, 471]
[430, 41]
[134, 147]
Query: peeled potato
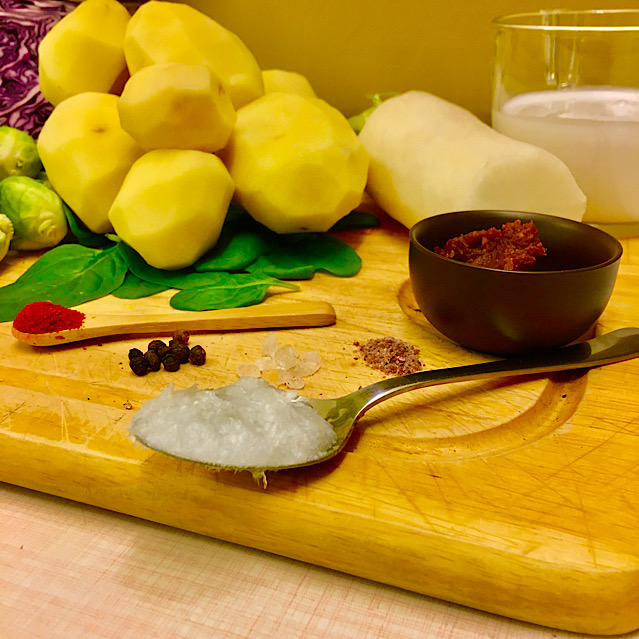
[84, 51]
[429, 156]
[172, 222]
[177, 106]
[86, 154]
[296, 163]
[162, 31]
[287, 81]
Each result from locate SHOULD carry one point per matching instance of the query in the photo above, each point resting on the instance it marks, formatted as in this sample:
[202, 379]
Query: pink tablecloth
[72, 571]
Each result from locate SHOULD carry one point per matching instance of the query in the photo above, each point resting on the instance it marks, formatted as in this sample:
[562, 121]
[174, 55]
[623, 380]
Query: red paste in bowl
[514, 247]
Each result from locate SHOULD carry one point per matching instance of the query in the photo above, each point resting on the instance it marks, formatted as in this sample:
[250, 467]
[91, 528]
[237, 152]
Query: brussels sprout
[36, 212]
[6, 234]
[18, 153]
[44, 178]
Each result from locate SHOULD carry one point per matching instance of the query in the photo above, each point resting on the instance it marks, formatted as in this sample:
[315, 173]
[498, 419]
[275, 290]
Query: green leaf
[134, 288]
[69, 274]
[204, 299]
[237, 217]
[329, 253]
[181, 278]
[231, 290]
[301, 254]
[282, 265]
[356, 220]
[241, 242]
[188, 278]
[82, 234]
[247, 261]
[235, 254]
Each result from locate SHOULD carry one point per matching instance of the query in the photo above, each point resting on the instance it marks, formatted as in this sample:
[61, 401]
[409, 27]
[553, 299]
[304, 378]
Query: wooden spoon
[279, 315]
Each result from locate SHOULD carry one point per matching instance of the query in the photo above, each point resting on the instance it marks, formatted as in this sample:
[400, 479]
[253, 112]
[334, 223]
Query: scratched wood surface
[518, 496]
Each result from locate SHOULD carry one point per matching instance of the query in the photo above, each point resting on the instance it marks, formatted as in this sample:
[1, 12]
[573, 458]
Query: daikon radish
[429, 156]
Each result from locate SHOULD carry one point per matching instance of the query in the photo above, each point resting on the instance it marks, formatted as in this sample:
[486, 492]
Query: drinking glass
[568, 81]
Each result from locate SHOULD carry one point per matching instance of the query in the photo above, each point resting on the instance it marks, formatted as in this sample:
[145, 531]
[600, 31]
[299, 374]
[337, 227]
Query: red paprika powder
[46, 317]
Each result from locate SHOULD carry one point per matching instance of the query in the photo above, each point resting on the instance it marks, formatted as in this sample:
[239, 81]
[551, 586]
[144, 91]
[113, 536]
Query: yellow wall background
[351, 48]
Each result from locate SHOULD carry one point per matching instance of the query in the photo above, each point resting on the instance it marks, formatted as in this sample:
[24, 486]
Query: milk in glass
[595, 131]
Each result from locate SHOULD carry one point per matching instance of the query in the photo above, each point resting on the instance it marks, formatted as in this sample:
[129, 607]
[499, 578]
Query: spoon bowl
[343, 413]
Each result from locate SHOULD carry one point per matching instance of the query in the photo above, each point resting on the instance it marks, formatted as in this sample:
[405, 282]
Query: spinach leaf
[227, 290]
[181, 278]
[241, 242]
[69, 274]
[244, 243]
[247, 260]
[327, 253]
[282, 265]
[83, 235]
[237, 218]
[134, 288]
[356, 220]
[299, 255]
[235, 254]
[188, 278]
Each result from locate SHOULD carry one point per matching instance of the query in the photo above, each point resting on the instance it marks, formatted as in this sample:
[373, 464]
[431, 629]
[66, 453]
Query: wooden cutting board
[517, 496]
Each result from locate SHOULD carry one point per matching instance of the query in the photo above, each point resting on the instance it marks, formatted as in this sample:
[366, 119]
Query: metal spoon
[343, 412]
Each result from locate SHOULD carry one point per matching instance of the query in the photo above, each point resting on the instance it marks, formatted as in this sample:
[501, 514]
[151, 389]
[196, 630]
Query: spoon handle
[277, 315]
[612, 347]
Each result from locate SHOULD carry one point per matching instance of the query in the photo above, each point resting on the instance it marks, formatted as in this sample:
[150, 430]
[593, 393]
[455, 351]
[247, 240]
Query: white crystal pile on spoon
[248, 424]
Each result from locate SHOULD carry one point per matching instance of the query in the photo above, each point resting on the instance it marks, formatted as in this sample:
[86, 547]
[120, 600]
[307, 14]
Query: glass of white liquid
[568, 81]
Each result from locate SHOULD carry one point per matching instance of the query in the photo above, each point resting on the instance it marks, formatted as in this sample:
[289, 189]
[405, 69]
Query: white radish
[429, 156]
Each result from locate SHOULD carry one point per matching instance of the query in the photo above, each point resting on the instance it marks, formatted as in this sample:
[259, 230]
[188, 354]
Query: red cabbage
[23, 23]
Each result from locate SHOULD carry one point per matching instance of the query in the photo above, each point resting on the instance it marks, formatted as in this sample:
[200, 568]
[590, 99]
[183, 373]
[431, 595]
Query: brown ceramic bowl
[510, 312]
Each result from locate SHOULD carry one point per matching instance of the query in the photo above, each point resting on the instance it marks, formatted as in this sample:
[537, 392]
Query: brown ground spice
[391, 356]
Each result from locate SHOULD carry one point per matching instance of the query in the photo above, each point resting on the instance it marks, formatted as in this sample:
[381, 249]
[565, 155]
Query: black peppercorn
[181, 351]
[139, 365]
[180, 337]
[197, 355]
[154, 360]
[158, 354]
[170, 362]
[135, 353]
[158, 346]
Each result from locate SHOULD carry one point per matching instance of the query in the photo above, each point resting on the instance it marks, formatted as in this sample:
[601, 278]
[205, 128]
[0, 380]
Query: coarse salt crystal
[269, 345]
[309, 363]
[251, 370]
[282, 366]
[264, 363]
[286, 357]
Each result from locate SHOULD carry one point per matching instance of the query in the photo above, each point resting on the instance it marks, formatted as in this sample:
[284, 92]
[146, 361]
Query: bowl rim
[618, 252]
